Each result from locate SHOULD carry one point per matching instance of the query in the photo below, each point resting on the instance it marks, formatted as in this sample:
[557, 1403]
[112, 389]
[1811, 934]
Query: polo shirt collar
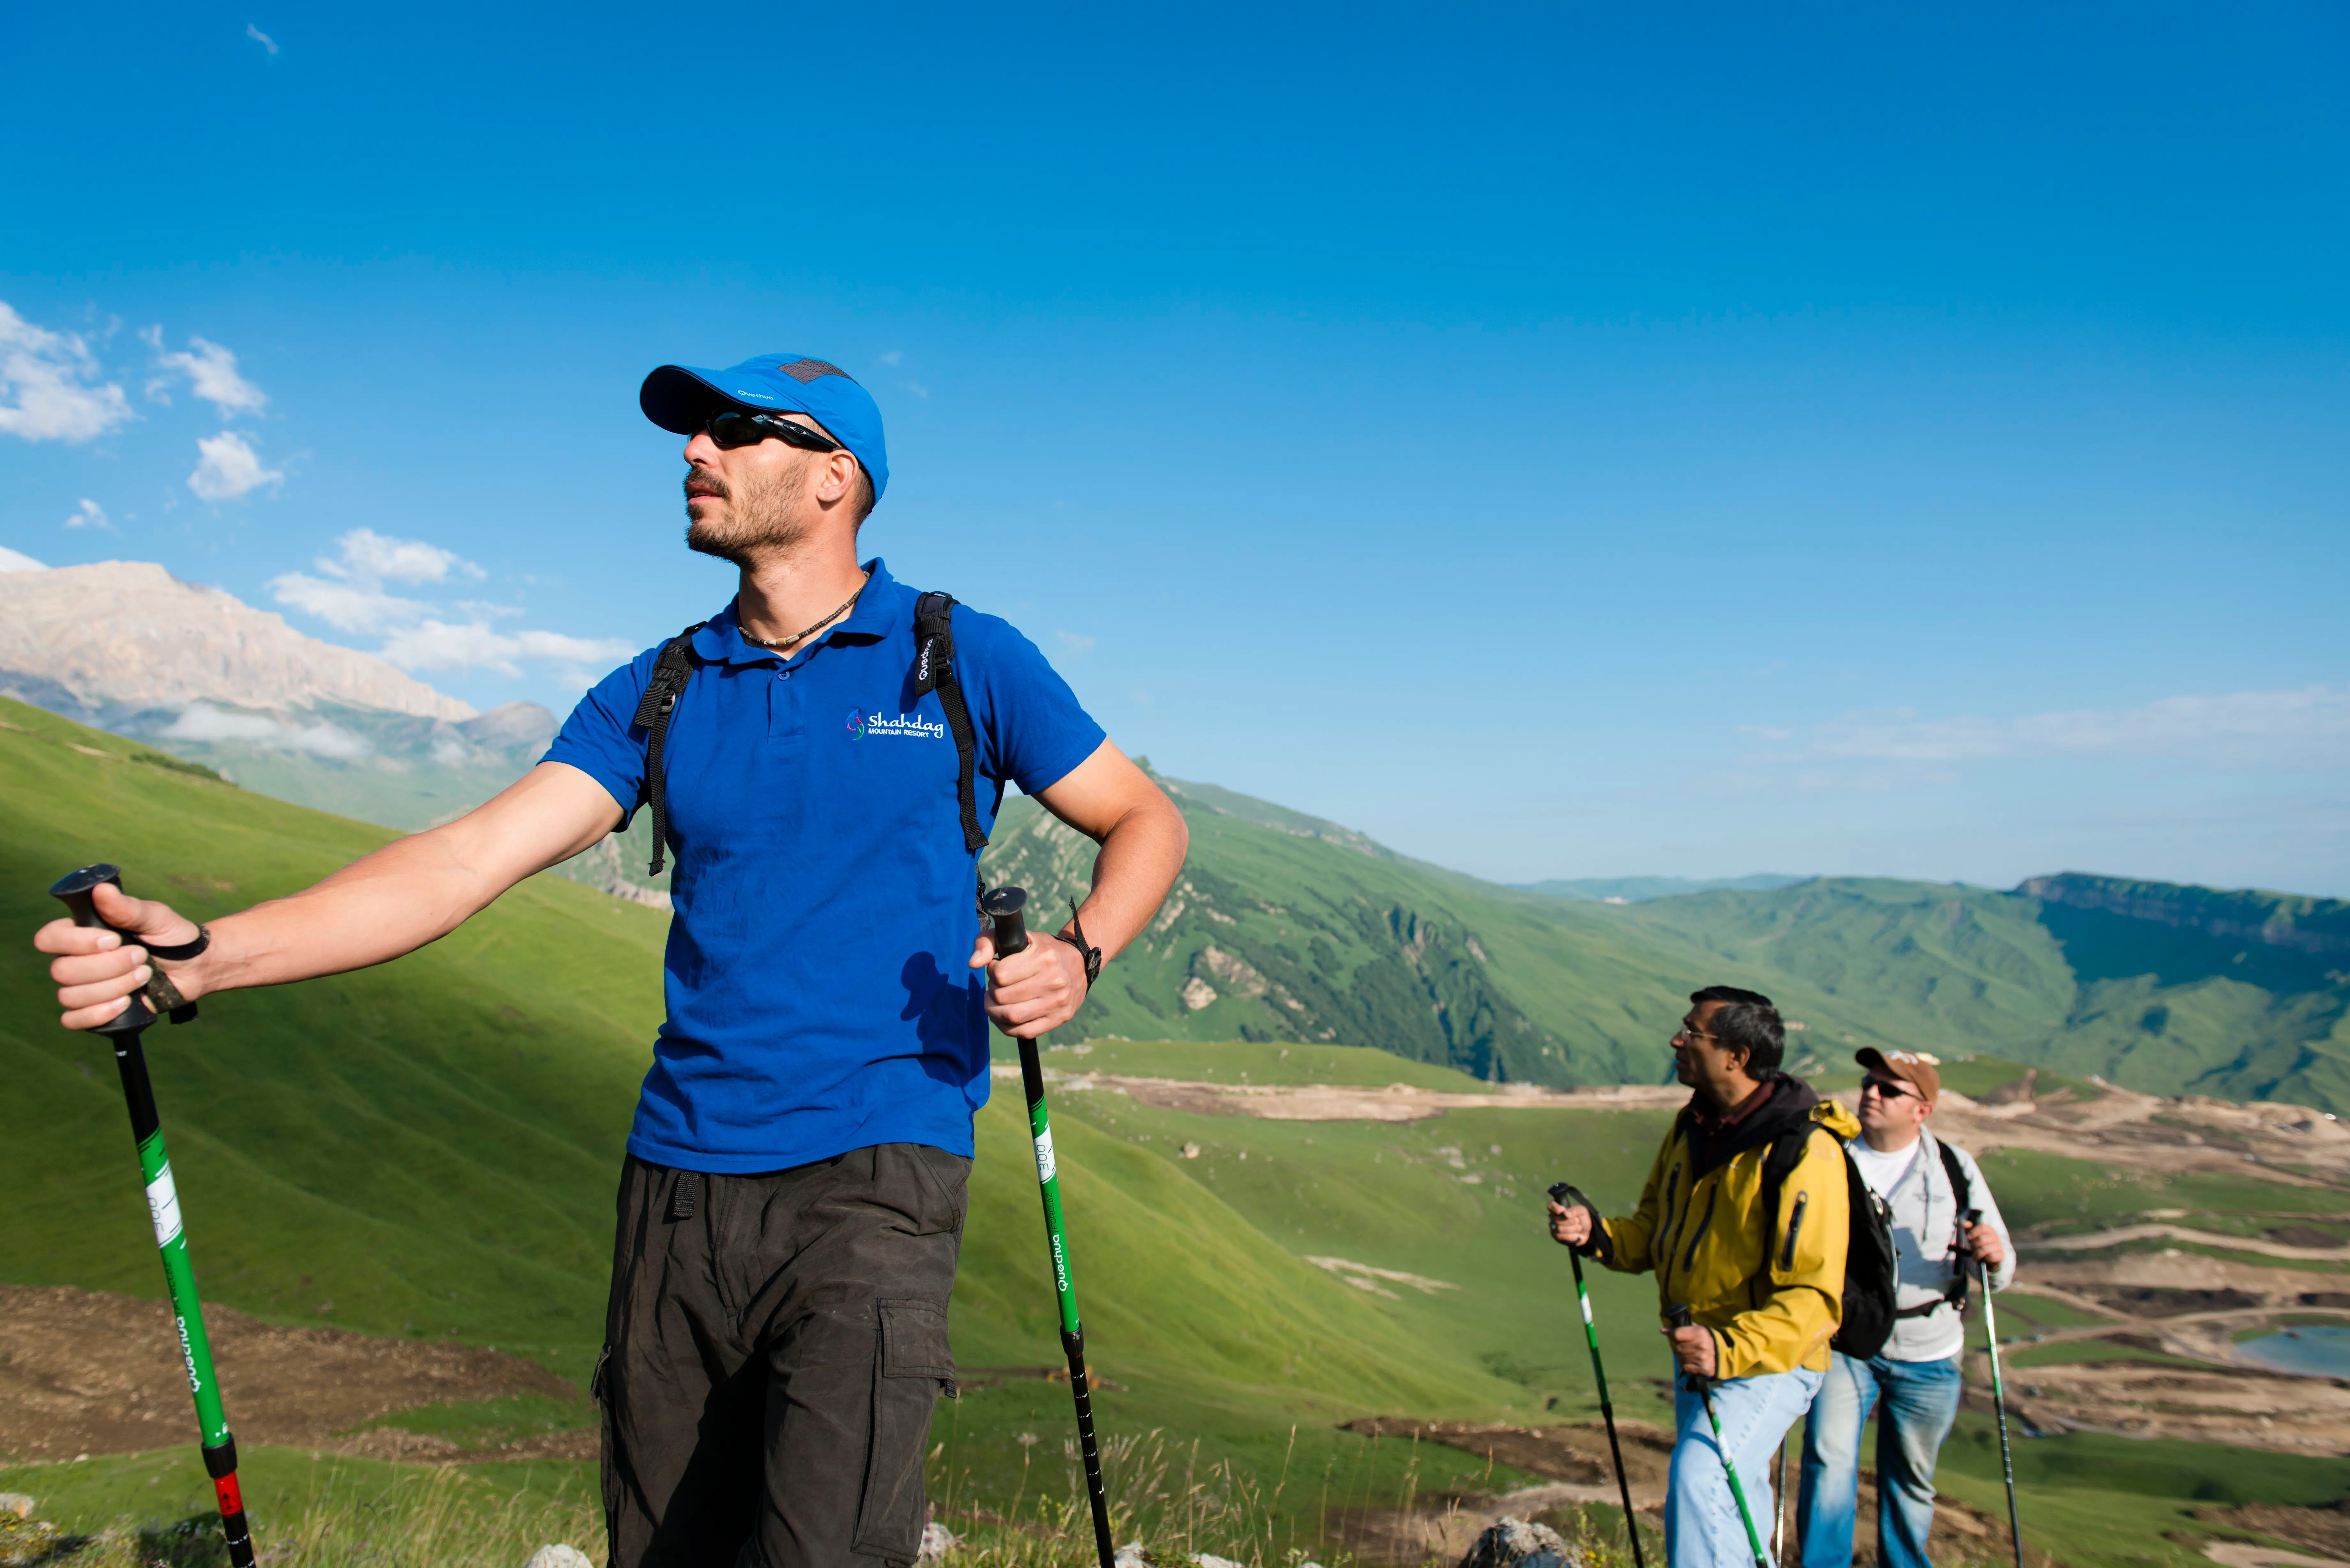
[720, 641]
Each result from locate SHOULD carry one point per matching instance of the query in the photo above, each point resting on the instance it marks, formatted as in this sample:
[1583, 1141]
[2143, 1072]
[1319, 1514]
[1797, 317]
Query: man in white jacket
[1913, 1382]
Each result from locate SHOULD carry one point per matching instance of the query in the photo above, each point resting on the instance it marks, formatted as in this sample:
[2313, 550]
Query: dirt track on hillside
[83, 1373]
[1574, 1459]
[2165, 1301]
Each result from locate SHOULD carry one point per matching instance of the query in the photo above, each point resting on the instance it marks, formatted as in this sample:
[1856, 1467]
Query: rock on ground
[559, 1557]
[1514, 1544]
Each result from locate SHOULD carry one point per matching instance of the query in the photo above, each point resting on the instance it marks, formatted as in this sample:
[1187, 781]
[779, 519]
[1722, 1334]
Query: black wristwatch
[1075, 937]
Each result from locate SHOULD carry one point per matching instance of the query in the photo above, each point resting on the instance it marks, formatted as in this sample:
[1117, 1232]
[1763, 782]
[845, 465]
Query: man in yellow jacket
[1761, 1274]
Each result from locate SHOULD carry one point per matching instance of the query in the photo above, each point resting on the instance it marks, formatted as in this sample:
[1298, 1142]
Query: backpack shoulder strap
[934, 671]
[1783, 1154]
[671, 671]
[1960, 1188]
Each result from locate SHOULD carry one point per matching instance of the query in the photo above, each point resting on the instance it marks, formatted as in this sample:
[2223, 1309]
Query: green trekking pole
[1563, 1193]
[1703, 1388]
[1999, 1402]
[1003, 906]
[163, 1204]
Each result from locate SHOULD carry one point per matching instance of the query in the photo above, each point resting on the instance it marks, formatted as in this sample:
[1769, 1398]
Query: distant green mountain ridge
[1640, 890]
[2158, 987]
[1288, 928]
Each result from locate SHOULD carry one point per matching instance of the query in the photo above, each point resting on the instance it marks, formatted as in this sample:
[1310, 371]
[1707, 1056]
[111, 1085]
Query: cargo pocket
[912, 1365]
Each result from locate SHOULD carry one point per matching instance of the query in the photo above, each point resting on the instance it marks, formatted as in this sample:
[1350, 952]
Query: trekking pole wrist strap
[178, 952]
[160, 994]
[1075, 937]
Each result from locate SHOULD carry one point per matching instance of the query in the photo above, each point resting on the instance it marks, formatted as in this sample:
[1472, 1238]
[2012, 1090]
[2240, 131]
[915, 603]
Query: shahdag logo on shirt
[905, 726]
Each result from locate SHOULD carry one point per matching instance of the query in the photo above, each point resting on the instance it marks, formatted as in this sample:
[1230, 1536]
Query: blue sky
[1557, 441]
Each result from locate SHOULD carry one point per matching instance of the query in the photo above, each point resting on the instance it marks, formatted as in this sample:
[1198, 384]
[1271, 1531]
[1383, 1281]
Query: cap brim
[681, 398]
[1870, 1057]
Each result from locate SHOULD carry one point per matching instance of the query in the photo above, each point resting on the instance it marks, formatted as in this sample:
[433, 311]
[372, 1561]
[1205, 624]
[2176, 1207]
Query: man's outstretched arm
[1143, 839]
[412, 891]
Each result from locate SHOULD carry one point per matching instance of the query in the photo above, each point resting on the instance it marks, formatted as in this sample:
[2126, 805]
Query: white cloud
[258, 36]
[213, 370]
[2233, 720]
[351, 597]
[894, 357]
[554, 645]
[88, 515]
[202, 723]
[439, 645]
[369, 555]
[1074, 646]
[49, 389]
[18, 561]
[228, 467]
[344, 605]
[419, 634]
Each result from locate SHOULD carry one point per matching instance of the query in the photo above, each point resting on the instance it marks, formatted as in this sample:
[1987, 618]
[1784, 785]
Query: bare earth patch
[2325, 1530]
[84, 1373]
[1574, 1459]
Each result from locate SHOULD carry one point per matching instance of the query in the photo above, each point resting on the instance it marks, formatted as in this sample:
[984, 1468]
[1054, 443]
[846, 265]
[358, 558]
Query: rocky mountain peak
[127, 634]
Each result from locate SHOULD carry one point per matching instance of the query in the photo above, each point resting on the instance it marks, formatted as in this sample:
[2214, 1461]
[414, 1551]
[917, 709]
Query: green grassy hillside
[1280, 932]
[429, 1148]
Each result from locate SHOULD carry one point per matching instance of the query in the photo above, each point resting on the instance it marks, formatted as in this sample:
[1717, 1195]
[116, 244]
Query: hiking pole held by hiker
[1998, 1399]
[1003, 905]
[76, 892]
[1563, 1192]
[1703, 1388]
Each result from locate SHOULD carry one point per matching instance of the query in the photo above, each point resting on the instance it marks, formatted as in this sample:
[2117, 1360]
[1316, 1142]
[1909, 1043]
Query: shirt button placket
[783, 705]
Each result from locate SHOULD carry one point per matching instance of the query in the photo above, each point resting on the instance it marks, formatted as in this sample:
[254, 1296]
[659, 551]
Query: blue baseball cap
[681, 398]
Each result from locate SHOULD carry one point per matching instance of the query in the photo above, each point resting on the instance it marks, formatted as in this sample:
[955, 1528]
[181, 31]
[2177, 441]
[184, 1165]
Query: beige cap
[1907, 1066]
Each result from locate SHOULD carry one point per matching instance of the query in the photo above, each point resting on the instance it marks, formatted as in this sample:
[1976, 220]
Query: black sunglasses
[1886, 1088]
[739, 427]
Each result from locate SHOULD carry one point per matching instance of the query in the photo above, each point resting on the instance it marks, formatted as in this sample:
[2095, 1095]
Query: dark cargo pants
[773, 1350]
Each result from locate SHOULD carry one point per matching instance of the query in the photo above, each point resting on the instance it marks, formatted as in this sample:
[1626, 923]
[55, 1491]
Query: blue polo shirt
[820, 998]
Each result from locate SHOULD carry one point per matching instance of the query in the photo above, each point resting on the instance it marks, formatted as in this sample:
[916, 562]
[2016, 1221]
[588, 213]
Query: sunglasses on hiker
[740, 427]
[1886, 1088]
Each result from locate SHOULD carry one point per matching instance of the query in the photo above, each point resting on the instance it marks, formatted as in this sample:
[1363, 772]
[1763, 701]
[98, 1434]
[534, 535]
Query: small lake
[2323, 1352]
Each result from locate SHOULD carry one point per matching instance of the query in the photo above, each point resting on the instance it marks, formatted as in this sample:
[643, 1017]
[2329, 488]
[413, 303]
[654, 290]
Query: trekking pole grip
[78, 892]
[1679, 1317]
[1003, 905]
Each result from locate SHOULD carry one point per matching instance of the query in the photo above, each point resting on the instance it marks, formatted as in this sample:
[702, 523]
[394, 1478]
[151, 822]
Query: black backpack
[1871, 1263]
[1871, 1266]
[933, 671]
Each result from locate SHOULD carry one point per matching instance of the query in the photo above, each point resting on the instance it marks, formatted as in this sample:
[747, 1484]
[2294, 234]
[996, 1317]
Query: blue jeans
[1920, 1399]
[1702, 1524]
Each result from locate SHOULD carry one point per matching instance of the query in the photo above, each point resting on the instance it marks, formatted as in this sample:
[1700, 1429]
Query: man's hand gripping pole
[76, 892]
[1003, 906]
[1703, 1388]
[1561, 1192]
